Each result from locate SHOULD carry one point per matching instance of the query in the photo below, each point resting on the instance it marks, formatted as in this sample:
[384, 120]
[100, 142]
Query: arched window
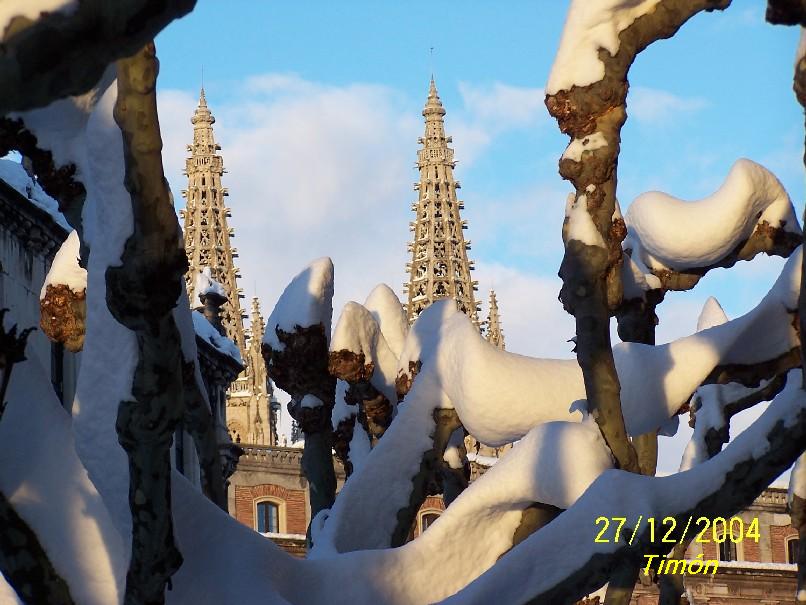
[727, 551]
[426, 519]
[792, 550]
[268, 517]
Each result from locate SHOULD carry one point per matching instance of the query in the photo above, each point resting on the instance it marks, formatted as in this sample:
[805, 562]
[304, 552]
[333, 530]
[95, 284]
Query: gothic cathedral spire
[494, 333]
[439, 267]
[206, 232]
[207, 243]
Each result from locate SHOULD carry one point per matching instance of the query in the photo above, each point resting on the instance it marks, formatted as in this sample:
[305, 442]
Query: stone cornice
[31, 225]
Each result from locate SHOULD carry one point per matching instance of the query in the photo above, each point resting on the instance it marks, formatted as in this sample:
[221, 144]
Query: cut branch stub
[404, 380]
[63, 313]
[375, 410]
[301, 367]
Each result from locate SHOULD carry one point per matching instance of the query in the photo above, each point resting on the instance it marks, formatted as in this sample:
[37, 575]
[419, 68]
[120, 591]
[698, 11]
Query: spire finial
[433, 105]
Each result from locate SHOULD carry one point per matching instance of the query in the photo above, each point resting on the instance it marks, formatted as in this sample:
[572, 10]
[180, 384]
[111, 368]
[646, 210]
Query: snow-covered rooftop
[14, 174]
[206, 331]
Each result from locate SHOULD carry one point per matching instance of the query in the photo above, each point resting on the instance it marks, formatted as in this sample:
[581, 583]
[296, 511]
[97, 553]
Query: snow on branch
[305, 302]
[385, 307]
[295, 347]
[678, 241]
[35, 67]
[63, 306]
[719, 487]
[360, 356]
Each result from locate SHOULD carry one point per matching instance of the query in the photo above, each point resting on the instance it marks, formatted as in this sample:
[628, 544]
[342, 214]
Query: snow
[385, 307]
[543, 559]
[758, 565]
[577, 146]
[358, 331]
[482, 460]
[205, 284]
[207, 332]
[7, 594]
[636, 279]
[341, 409]
[591, 26]
[668, 233]
[453, 456]
[65, 268]
[360, 447]
[712, 314]
[31, 9]
[709, 402]
[306, 301]
[46, 483]
[84, 132]
[14, 174]
[797, 480]
[281, 536]
[579, 222]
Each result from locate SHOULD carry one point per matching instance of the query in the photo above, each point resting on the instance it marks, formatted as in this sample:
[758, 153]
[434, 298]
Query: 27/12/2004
[705, 529]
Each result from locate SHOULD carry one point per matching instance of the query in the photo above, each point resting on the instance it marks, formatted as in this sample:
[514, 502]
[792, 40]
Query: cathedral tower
[207, 243]
[494, 333]
[439, 267]
[207, 234]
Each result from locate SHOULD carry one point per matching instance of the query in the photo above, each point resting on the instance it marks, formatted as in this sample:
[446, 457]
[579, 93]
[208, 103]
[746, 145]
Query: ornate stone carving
[438, 240]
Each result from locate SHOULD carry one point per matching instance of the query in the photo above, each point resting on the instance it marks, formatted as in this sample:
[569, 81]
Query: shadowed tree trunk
[141, 294]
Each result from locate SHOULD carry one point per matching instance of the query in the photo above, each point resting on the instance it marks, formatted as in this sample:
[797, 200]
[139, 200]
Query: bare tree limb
[63, 54]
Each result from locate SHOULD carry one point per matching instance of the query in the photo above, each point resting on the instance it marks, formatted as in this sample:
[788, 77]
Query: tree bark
[592, 274]
[141, 294]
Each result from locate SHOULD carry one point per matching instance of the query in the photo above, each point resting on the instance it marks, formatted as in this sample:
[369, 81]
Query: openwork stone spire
[439, 267]
[207, 243]
[207, 234]
[493, 332]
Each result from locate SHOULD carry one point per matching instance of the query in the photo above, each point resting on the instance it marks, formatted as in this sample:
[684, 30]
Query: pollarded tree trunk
[141, 294]
[593, 116]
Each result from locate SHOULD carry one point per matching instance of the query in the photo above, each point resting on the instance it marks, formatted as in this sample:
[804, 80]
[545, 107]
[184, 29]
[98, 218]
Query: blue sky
[318, 107]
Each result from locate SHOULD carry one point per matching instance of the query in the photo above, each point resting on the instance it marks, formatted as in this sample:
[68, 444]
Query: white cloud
[312, 171]
[532, 318]
[491, 110]
[651, 105]
[503, 106]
